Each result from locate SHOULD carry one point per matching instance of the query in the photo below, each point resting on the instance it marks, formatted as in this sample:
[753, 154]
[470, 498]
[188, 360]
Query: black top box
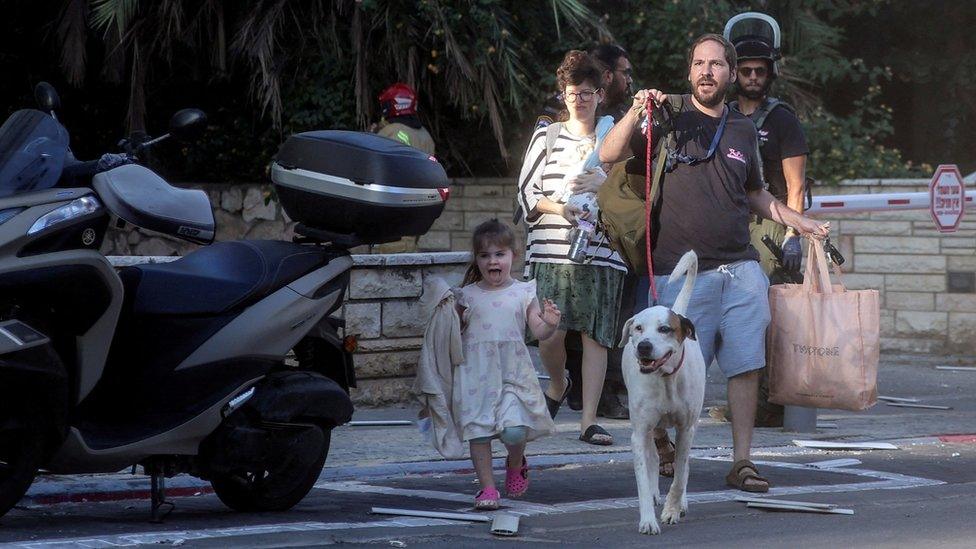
[359, 184]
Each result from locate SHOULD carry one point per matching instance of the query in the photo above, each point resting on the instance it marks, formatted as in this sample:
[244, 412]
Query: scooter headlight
[79, 207]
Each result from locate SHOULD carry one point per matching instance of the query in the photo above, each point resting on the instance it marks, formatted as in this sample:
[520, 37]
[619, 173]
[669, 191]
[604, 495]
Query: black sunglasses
[746, 71]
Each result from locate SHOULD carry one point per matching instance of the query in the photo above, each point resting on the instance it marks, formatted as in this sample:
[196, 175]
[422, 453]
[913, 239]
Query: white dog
[665, 376]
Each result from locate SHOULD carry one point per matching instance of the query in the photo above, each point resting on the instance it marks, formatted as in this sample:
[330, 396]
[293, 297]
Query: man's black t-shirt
[780, 137]
[704, 207]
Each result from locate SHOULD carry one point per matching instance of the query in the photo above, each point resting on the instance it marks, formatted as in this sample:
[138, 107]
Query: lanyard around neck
[677, 158]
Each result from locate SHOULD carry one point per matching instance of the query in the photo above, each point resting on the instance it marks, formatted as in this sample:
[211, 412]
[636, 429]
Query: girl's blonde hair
[490, 232]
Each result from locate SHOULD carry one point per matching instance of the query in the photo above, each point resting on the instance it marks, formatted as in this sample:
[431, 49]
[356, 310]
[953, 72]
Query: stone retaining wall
[904, 256]
[383, 310]
[899, 253]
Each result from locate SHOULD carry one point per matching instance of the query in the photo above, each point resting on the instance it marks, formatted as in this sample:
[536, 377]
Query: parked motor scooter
[179, 367]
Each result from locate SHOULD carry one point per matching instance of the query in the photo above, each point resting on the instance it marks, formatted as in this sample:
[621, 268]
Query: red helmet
[398, 100]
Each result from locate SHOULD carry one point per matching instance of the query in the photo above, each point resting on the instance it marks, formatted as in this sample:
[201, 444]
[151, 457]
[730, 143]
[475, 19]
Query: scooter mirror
[47, 97]
[187, 124]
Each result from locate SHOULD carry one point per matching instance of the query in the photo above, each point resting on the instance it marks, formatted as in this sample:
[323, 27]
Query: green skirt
[588, 297]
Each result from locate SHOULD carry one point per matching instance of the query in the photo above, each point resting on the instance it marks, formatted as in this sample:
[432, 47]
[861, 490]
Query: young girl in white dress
[496, 389]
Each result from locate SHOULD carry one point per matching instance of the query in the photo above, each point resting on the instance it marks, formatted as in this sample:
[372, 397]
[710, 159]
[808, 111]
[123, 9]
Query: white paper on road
[834, 511]
[430, 514]
[925, 406]
[832, 463]
[744, 499]
[828, 445]
[897, 399]
[957, 368]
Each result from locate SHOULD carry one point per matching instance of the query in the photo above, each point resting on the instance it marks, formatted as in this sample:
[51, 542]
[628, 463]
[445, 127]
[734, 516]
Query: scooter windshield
[33, 146]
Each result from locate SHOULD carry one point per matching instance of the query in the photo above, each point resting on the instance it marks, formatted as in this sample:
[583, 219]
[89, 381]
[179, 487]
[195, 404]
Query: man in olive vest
[783, 148]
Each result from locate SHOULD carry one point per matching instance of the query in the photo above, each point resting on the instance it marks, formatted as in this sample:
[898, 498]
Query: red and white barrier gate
[946, 200]
[882, 202]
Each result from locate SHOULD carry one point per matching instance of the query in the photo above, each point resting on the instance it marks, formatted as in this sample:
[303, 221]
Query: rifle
[795, 277]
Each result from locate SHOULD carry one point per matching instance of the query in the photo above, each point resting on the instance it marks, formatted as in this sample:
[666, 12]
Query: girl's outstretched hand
[550, 314]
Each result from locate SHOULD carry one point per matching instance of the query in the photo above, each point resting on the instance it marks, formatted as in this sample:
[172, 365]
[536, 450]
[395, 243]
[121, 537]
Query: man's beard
[715, 99]
[755, 94]
[615, 100]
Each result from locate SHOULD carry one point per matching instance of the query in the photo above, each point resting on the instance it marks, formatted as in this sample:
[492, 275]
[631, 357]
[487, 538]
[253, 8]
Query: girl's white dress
[497, 386]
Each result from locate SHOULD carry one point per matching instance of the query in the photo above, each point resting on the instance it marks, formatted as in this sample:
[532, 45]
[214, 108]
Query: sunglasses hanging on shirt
[675, 158]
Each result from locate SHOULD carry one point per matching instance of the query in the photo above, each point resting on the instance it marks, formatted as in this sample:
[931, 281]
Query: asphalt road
[922, 495]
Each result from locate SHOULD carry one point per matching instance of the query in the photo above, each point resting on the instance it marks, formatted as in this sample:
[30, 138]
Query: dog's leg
[645, 463]
[676, 502]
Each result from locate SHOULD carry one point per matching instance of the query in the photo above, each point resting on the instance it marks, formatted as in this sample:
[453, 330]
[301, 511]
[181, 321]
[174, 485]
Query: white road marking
[881, 481]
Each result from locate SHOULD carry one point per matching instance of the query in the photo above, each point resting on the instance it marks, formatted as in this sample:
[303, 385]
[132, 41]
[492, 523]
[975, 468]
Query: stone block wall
[249, 210]
[903, 255]
[383, 310]
[899, 253]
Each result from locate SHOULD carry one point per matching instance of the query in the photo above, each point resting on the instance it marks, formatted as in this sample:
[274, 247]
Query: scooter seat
[219, 278]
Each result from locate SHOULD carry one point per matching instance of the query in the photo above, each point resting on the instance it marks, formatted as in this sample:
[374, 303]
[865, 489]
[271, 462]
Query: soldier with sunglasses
[783, 148]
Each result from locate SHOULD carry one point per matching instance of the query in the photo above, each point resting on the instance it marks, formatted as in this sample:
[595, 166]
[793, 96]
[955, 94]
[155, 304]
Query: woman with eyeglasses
[587, 293]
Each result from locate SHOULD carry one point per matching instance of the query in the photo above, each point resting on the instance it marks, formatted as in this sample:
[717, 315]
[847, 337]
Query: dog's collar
[678, 367]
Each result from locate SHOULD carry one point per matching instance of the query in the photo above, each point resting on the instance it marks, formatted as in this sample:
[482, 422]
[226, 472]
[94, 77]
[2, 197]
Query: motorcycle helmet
[398, 100]
[755, 36]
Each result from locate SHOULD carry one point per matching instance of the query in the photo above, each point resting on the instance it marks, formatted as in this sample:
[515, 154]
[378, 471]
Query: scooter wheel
[21, 453]
[289, 475]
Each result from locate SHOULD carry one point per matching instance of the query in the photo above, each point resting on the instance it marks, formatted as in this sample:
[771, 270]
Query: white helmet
[755, 36]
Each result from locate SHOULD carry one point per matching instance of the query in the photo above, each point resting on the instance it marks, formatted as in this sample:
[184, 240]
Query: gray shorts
[730, 310]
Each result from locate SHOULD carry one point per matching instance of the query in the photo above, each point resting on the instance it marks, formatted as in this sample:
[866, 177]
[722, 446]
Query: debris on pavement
[505, 525]
[430, 514]
[747, 499]
[829, 445]
[806, 509]
[834, 463]
[925, 406]
[897, 399]
[397, 543]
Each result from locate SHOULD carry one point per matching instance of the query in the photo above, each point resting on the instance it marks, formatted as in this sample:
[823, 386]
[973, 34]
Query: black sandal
[597, 435]
[553, 405]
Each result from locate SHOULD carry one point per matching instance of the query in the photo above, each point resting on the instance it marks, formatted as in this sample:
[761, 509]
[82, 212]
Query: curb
[59, 489]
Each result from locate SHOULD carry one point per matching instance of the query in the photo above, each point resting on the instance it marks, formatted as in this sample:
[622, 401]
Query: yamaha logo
[88, 236]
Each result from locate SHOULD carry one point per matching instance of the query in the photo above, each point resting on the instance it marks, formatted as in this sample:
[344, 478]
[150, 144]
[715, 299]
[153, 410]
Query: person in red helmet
[399, 122]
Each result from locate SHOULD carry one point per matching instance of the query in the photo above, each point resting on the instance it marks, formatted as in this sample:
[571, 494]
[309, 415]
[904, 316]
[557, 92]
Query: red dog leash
[647, 198]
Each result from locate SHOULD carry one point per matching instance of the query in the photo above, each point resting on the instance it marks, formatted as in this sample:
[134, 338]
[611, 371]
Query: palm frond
[256, 41]
[72, 33]
[113, 16]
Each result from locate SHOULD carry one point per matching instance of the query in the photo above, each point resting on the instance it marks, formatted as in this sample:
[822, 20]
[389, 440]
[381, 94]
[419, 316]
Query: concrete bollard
[799, 419]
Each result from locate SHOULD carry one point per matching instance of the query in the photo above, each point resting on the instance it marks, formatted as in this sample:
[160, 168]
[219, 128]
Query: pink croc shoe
[516, 479]
[487, 499]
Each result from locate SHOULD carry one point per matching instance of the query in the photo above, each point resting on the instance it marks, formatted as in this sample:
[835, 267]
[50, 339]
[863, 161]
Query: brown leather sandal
[742, 471]
[666, 454]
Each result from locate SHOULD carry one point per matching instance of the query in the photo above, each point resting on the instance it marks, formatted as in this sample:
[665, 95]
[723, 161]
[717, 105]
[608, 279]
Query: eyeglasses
[746, 71]
[572, 97]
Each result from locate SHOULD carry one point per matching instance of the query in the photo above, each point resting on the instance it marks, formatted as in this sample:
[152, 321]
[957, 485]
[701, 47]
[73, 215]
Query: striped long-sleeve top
[548, 234]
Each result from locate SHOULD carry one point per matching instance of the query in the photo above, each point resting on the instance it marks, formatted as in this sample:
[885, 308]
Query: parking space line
[880, 481]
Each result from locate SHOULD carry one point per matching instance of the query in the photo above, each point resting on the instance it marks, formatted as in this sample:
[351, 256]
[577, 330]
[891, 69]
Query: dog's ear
[687, 328]
[625, 333]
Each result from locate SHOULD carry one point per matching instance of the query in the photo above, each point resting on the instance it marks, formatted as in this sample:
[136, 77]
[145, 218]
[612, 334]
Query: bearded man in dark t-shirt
[712, 189]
